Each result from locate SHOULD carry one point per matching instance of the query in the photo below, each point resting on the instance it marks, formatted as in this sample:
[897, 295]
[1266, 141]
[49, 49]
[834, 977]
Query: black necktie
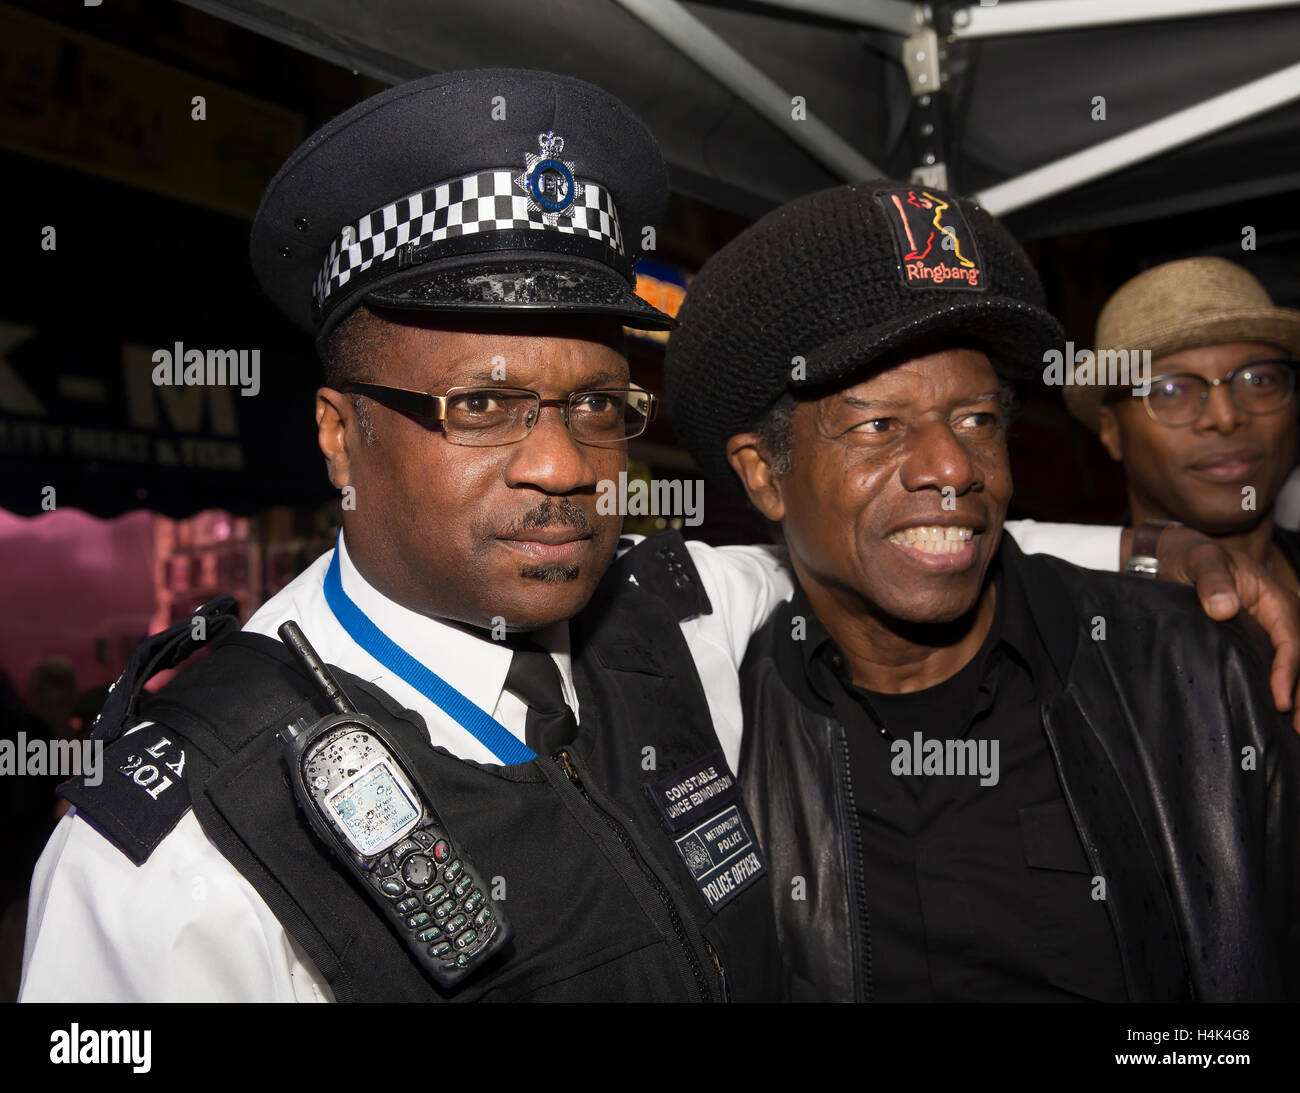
[534, 678]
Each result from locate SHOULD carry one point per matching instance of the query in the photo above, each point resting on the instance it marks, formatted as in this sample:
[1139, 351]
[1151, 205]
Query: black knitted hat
[823, 286]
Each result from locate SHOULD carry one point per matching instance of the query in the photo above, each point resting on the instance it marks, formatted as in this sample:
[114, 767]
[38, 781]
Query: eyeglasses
[482, 417]
[1260, 387]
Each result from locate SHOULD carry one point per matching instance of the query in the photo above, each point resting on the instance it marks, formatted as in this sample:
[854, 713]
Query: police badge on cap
[548, 180]
[415, 199]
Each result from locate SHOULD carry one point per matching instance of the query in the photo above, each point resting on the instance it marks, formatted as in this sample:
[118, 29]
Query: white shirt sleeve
[1091, 546]
[744, 585]
[184, 926]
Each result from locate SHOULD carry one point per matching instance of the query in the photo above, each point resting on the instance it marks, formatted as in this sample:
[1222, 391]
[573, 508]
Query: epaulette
[138, 794]
[662, 565]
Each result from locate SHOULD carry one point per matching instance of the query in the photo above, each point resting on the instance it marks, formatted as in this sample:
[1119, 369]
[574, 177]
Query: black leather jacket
[1181, 778]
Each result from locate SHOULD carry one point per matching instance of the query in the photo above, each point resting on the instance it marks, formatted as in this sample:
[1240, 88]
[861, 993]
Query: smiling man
[1212, 442]
[980, 774]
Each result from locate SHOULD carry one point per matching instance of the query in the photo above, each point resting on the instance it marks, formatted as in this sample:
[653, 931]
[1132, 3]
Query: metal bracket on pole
[921, 61]
[935, 176]
[923, 58]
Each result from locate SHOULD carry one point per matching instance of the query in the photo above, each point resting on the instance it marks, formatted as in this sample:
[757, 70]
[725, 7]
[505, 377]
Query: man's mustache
[561, 513]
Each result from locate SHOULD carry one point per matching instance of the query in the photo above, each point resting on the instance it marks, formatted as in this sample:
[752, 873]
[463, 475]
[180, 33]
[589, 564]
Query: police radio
[358, 791]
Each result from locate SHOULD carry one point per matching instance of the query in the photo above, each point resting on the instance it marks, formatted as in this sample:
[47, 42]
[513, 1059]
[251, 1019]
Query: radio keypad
[429, 885]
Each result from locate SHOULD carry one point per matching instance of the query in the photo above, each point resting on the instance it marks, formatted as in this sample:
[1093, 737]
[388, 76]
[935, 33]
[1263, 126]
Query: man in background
[1214, 439]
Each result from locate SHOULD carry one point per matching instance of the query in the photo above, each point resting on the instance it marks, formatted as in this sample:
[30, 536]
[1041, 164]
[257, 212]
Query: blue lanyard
[487, 730]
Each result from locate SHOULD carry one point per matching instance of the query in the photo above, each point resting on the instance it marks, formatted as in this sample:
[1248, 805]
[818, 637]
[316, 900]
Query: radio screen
[373, 809]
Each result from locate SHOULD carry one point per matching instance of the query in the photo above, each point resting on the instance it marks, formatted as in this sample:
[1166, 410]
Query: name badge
[701, 807]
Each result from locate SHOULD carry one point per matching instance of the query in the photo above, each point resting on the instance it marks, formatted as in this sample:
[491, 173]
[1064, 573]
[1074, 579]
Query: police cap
[479, 191]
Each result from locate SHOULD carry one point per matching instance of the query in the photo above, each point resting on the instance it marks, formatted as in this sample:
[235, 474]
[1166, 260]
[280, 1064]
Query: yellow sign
[664, 295]
[74, 100]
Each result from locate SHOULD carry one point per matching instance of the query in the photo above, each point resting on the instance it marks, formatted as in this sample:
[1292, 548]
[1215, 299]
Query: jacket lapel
[1092, 739]
[1112, 825]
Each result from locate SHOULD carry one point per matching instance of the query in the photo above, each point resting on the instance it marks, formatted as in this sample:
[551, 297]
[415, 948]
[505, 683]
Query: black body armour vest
[599, 852]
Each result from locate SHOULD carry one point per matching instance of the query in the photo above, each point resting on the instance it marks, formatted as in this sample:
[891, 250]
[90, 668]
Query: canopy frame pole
[991, 20]
[988, 18]
[1144, 142]
[896, 16]
[677, 26]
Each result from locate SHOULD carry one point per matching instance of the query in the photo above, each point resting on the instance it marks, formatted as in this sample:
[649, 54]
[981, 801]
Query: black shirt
[978, 886]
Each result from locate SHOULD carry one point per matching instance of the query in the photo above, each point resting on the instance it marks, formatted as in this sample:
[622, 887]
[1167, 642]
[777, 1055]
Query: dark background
[136, 266]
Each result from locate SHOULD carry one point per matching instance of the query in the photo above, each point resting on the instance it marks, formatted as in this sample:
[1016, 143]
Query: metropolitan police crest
[549, 181]
[696, 857]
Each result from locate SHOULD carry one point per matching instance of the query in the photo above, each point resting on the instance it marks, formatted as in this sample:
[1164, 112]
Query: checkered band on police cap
[487, 201]
[486, 190]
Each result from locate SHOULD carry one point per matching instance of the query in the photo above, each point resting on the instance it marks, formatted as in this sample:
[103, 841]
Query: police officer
[461, 247]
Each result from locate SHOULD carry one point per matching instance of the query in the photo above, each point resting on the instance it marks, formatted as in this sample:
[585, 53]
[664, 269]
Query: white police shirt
[186, 925]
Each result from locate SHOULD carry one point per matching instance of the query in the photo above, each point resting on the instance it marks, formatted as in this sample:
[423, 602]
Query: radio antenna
[291, 634]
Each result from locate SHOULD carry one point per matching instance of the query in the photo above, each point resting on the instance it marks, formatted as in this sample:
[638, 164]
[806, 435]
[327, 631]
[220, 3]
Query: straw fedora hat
[1181, 305]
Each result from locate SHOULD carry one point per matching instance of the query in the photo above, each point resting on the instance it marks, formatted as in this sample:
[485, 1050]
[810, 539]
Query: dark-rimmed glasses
[486, 416]
[1259, 387]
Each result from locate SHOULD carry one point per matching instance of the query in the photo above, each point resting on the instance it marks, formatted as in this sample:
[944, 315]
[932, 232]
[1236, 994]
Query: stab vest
[606, 895]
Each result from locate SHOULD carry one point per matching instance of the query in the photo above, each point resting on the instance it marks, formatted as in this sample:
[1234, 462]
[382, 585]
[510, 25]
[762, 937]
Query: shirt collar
[475, 665]
[1016, 629]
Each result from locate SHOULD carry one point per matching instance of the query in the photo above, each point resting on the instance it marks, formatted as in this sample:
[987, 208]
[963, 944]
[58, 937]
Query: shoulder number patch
[142, 795]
